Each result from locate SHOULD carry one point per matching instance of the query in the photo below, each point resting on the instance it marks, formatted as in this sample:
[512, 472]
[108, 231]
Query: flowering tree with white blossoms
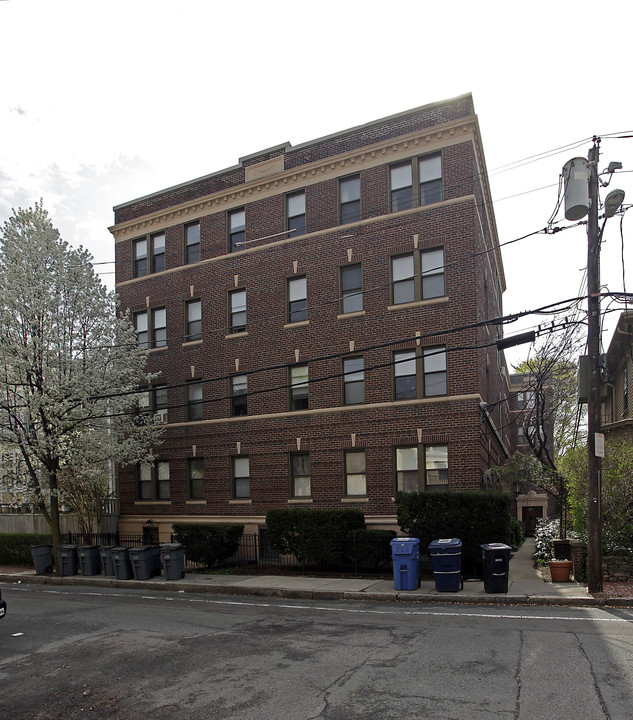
[69, 367]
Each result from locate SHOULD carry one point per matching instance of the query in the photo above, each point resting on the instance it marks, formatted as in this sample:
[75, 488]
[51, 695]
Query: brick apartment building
[318, 318]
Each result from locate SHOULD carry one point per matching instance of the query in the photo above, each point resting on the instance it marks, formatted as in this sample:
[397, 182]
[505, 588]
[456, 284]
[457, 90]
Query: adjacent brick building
[318, 315]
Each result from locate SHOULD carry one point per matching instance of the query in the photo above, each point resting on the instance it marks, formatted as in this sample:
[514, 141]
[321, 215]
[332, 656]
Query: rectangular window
[403, 279]
[432, 267]
[299, 387]
[158, 252]
[237, 229]
[239, 395]
[417, 276]
[240, 476]
[526, 400]
[353, 381]
[436, 467]
[355, 473]
[430, 174]
[300, 475]
[237, 311]
[405, 379]
[194, 401]
[434, 372]
[193, 323]
[407, 469]
[425, 175]
[351, 289]
[153, 481]
[349, 199]
[296, 213]
[195, 478]
[192, 243]
[140, 257]
[297, 300]
[142, 329]
[159, 328]
[153, 404]
[401, 186]
[159, 398]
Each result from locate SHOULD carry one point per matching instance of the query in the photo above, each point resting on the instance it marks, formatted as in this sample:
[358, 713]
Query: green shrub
[517, 535]
[476, 518]
[313, 536]
[370, 549]
[15, 548]
[211, 545]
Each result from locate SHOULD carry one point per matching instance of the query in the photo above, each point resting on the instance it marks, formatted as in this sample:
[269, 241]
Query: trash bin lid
[445, 545]
[495, 546]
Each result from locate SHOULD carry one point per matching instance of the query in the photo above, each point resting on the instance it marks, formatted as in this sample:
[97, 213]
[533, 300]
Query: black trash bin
[446, 555]
[145, 561]
[89, 560]
[172, 556]
[496, 564]
[67, 559]
[42, 558]
[107, 563]
[121, 562]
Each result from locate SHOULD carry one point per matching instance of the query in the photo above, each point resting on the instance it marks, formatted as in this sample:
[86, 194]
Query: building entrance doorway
[530, 515]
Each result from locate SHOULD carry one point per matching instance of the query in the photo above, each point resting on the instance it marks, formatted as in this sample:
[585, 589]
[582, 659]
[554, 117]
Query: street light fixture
[612, 202]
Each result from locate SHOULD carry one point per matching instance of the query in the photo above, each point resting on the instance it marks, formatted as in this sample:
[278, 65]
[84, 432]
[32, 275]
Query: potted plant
[560, 570]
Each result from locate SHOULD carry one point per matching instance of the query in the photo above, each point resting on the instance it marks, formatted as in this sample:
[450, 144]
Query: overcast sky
[103, 102]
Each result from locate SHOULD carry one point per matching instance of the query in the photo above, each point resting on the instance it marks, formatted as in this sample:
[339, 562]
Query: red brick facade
[461, 223]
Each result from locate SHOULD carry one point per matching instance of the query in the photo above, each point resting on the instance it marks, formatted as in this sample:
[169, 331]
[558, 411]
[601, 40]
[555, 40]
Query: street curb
[410, 596]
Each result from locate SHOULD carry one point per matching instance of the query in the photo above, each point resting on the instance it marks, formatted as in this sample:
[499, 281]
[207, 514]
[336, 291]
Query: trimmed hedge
[313, 536]
[211, 545]
[476, 518]
[15, 548]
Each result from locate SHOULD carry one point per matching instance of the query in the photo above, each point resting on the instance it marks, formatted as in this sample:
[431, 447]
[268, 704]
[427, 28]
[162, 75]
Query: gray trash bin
[172, 556]
[89, 560]
[67, 559]
[107, 563]
[42, 558]
[145, 561]
[121, 562]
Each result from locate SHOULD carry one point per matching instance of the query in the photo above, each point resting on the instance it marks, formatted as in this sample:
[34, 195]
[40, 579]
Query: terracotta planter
[560, 570]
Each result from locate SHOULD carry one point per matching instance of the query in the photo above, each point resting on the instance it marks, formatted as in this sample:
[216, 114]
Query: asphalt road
[70, 653]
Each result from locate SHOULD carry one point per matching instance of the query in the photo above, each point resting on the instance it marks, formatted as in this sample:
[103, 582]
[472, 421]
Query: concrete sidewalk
[525, 586]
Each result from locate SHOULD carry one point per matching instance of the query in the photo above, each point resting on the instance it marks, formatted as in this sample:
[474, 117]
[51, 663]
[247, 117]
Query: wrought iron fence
[343, 555]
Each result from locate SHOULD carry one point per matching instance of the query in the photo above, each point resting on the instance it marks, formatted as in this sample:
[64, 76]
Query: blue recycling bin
[496, 566]
[406, 564]
[446, 555]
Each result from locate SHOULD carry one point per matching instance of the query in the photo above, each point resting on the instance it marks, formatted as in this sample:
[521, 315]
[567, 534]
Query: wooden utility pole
[594, 462]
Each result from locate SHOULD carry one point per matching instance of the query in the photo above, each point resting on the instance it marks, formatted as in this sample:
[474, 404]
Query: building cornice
[421, 141]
